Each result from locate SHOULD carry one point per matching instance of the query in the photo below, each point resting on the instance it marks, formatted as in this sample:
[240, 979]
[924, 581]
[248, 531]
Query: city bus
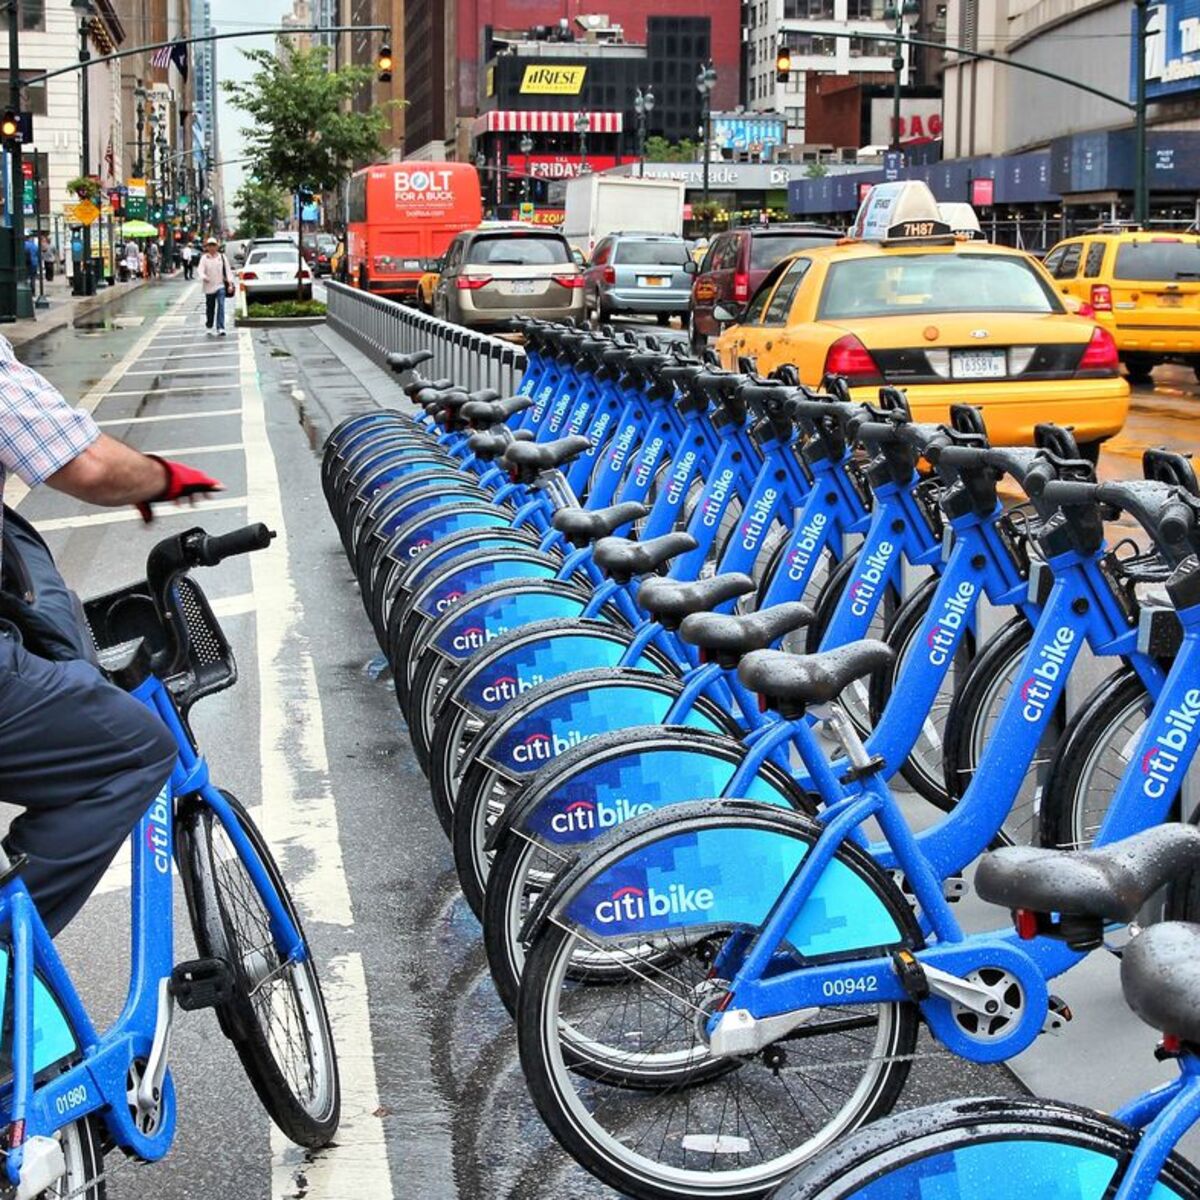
[402, 216]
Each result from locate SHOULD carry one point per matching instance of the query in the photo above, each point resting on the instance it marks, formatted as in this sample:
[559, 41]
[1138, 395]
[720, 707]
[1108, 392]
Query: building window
[813, 10]
[968, 24]
[865, 10]
[870, 48]
[813, 45]
[33, 16]
[33, 98]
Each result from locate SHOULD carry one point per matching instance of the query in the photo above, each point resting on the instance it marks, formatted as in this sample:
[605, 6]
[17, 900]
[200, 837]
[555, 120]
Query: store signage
[135, 203]
[1172, 49]
[983, 192]
[543, 80]
[748, 135]
[920, 120]
[548, 216]
[558, 166]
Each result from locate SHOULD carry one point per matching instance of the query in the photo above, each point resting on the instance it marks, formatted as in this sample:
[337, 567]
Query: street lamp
[85, 11]
[582, 125]
[526, 147]
[643, 105]
[897, 13]
[705, 82]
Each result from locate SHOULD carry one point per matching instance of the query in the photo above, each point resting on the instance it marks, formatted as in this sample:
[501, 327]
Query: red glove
[182, 481]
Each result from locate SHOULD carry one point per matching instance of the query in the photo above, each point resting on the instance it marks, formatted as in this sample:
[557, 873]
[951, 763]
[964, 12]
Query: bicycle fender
[465, 541]
[420, 532]
[713, 864]
[617, 776]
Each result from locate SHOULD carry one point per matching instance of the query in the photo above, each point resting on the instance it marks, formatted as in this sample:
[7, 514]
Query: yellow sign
[491, 81]
[83, 213]
[552, 81]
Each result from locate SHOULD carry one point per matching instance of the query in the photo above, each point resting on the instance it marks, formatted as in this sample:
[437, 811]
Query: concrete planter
[278, 322]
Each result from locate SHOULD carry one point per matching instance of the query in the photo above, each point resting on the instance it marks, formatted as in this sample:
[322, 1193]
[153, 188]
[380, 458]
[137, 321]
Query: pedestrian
[216, 281]
[33, 259]
[186, 254]
[133, 259]
[153, 259]
[47, 258]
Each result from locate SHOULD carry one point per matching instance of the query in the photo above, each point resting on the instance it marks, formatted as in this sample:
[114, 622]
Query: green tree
[303, 131]
[816, 170]
[658, 149]
[260, 207]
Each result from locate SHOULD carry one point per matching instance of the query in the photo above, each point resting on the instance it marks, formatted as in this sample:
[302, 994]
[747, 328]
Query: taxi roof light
[900, 211]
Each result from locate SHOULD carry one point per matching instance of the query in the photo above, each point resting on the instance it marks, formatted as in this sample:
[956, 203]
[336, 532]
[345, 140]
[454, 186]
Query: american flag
[162, 57]
[176, 53]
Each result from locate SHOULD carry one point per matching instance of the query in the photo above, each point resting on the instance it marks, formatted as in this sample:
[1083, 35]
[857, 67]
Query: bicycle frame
[100, 1080]
[1164, 1115]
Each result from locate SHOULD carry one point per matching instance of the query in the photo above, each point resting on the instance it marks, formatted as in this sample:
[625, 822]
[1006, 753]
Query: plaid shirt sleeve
[39, 431]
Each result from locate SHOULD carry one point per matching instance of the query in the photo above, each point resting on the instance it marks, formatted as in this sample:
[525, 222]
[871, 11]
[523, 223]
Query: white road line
[187, 416]
[180, 370]
[175, 353]
[170, 453]
[116, 516]
[234, 606]
[299, 815]
[174, 391]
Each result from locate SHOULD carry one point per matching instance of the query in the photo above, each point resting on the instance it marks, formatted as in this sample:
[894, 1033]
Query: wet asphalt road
[435, 1104]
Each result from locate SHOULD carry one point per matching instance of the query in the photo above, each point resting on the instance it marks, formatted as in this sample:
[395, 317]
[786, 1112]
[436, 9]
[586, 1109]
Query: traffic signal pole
[16, 300]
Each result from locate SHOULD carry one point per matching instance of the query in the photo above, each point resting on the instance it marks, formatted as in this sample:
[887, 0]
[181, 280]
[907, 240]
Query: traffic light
[783, 64]
[10, 126]
[384, 63]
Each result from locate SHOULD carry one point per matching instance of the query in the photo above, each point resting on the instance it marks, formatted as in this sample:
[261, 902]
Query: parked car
[235, 250]
[1143, 287]
[638, 273]
[318, 249]
[736, 263]
[491, 275]
[271, 273]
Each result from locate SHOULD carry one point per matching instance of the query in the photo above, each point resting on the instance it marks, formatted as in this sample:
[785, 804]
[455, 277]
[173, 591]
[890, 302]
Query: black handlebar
[208, 551]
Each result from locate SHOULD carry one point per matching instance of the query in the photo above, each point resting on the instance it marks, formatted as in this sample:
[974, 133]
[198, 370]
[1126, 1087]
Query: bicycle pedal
[1057, 1015]
[912, 975]
[201, 983]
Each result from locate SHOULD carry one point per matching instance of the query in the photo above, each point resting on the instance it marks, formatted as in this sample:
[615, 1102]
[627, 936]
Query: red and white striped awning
[514, 121]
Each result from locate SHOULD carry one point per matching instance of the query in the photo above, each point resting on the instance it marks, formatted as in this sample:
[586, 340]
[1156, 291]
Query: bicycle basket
[117, 618]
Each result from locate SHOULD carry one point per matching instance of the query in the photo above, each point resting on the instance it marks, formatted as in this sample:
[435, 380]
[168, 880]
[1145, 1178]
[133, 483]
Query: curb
[278, 322]
[24, 332]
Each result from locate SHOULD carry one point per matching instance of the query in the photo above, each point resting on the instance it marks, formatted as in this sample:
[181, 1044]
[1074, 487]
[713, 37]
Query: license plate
[978, 364]
[521, 287]
[412, 264]
[1171, 299]
[655, 281]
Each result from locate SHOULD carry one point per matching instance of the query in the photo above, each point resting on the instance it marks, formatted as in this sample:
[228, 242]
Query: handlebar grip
[1036, 479]
[212, 550]
[1175, 525]
[1062, 492]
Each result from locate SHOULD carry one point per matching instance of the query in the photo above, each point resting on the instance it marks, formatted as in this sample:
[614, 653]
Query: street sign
[893, 160]
[135, 201]
[182, 202]
[82, 213]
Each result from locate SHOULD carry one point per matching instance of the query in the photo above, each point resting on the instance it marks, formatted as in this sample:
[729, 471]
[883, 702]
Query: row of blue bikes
[722, 686]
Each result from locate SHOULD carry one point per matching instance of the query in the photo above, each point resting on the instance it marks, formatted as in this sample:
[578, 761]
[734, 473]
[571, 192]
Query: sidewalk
[64, 309]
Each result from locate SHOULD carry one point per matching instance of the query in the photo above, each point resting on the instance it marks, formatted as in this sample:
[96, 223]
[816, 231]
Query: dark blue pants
[84, 760]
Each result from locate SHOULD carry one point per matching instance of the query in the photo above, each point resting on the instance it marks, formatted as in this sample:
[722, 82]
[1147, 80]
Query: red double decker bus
[402, 216]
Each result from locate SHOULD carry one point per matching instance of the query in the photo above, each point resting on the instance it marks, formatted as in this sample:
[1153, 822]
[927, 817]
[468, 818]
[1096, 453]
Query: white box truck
[597, 205]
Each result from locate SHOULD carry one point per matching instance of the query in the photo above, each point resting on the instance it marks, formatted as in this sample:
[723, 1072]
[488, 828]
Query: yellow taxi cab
[905, 302]
[426, 286]
[1143, 287]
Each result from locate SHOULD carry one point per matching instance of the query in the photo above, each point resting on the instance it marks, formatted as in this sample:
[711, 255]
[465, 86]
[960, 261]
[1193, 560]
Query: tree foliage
[260, 207]
[658, 149]
[303, 130]
[816, 170]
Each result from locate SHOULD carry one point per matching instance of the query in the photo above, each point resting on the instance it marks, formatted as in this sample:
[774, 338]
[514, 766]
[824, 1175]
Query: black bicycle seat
[530, 459]
[484, 414]
[621, 559]
[789, 683]
[1109, 883]
[490, 445]
[727, 638]
[406, 362]
[668, 601]
[582, 526]
[1160, 976]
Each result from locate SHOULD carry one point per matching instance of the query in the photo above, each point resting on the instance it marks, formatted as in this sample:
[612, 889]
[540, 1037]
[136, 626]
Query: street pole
[41, 301]
[84, 7]
[22, 302]
[1141, 191]
[705, 82]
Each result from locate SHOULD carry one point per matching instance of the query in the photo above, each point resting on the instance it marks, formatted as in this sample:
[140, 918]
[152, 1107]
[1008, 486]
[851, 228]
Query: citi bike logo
[757, 518]
[539, 405]
[716, 497]
[476, 636]
[863, 589]
[680, 476]
[942, 635]
[1161, 760]
[579, 419]
[541, 747]
[1037, 689]
[634, 903]
[620, 450]
[450, 598]
[559, 411]
[806, 546]
[647, 463]
[158, 833]
[584, 816]
[509, 687]
[417, 547]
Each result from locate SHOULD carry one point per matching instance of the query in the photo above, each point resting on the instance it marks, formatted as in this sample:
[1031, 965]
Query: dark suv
[736, 262]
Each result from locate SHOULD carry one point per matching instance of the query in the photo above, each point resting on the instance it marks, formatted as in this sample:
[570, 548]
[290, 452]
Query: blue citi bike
[73, 1092]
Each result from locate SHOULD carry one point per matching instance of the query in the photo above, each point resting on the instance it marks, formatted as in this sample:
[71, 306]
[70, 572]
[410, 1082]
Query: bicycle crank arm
[149, 1092]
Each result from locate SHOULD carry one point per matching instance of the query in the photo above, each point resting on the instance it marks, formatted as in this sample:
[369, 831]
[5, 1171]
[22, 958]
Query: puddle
[94, 328]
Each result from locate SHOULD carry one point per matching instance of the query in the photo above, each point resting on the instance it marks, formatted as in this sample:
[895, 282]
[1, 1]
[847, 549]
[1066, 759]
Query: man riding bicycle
[81, 757]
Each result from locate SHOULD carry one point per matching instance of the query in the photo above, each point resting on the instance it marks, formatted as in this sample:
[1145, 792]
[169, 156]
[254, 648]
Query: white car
[272, 273]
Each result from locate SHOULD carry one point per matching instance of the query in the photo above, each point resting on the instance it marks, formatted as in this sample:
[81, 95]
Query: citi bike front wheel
[276, 1015]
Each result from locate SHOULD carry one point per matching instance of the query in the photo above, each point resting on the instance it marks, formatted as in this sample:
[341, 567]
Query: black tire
[879, 1154]
[974, 710]
[924, 768]
[630, 1170]
[664, 319]
[1139, 369]
[227, 916]
[697, 341]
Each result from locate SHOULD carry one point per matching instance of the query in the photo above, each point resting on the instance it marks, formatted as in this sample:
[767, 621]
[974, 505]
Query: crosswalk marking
[115, 516]
[183, 416]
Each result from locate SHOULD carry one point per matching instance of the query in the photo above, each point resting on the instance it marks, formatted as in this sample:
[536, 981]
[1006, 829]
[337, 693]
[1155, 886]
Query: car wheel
[663, 319]
[697, 341]
[1139, 369]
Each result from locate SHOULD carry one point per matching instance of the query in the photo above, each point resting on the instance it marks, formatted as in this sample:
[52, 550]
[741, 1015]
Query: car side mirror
[727, 314]
[691, 267]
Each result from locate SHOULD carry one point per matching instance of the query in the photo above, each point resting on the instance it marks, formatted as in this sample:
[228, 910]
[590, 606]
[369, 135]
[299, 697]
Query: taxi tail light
[850, 359]
[741, 288]
[568, 281]
[610, 275]
[1099, 355]
[249, 275]
[1101, 297]
[1085, 309]
[472, 283]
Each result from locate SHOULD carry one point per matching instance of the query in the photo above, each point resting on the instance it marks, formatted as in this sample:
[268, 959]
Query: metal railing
[378, 326]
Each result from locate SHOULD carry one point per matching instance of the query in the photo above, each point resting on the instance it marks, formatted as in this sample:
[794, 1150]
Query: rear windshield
[670, 254]
[927, 283]
[766, 250]
[518, 250]
[1168, 259]
[272, 256]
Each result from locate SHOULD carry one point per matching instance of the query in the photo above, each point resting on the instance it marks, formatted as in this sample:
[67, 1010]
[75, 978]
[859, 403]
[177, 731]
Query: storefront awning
[521, 121]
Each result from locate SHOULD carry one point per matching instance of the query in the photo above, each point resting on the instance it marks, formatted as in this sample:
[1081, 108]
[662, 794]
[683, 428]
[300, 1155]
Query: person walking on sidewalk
[153, 259]
[133, 259]
[187, 254]
[216, 281]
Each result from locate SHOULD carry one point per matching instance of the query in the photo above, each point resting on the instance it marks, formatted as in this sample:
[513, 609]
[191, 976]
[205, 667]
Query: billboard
[542, 80]
[920, 119]
[748, 133]
[1172, 49]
